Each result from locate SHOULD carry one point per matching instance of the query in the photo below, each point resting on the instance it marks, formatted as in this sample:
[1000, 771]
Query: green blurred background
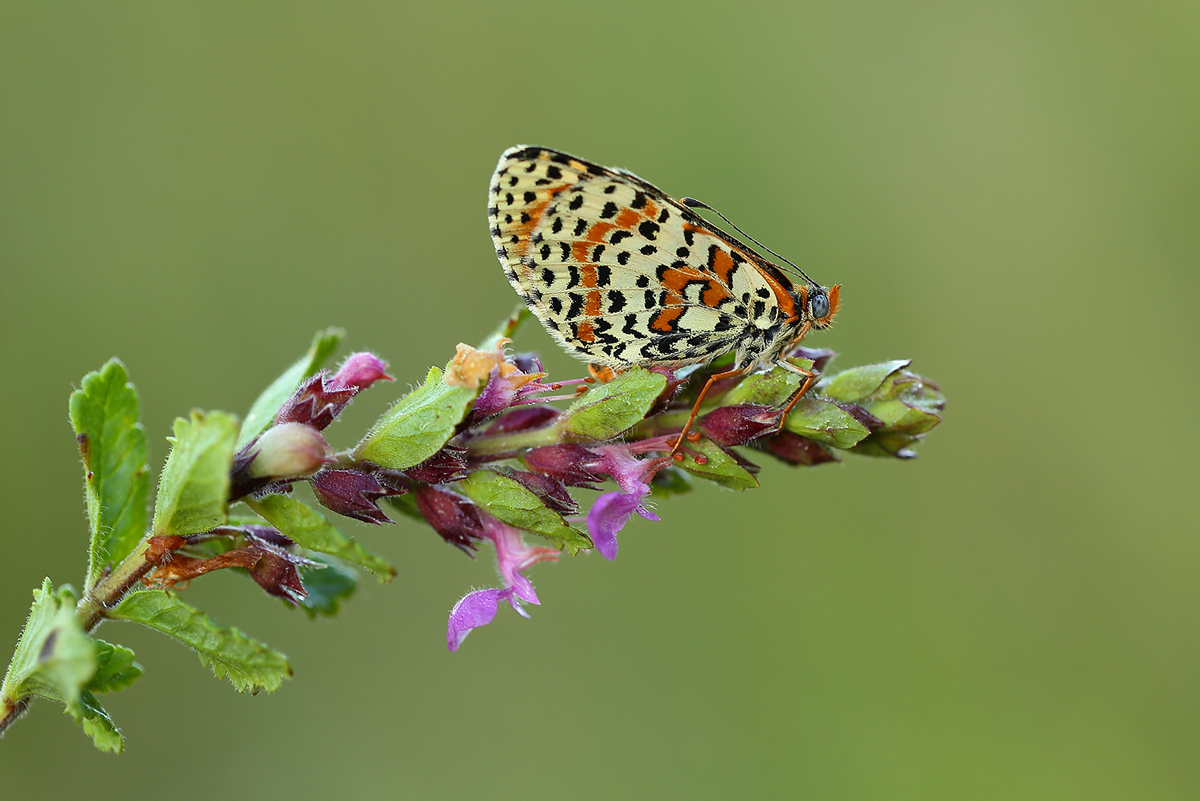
[1008, 192]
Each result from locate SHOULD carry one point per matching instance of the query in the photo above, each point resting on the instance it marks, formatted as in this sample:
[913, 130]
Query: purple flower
[320, 399]
[359, 370]
[478, 608]
[612, 511]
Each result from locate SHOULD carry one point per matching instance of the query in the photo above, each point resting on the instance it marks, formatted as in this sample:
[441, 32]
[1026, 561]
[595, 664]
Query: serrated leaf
[99, 725]
[112, 443]
[268, 404]
[53, 659]
[718, 466]
[859, 382]
[418, 426]
[327, 587]
[824, 421]
[193, 490]
[115, 668]
[308, 528]
[607, 410]
[249, 665]
[509, 502]
[773, 388]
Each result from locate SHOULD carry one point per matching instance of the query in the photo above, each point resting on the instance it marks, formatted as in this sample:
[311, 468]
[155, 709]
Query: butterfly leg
[699, 400]
[809, 377]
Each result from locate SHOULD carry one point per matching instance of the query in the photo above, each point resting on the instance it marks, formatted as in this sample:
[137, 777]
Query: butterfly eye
[820, 306]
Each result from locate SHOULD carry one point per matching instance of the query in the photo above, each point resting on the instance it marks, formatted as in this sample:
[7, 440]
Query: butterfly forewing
[620, 272]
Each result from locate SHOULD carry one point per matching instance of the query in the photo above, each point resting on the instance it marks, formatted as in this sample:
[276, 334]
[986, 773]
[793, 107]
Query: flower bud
[352, 493]
[455, 519]
[737, 425]
[446, 465]
[551, 491]
[320, 398]
[290, 450]
[795, 449]
[573, 465]
[359, 370]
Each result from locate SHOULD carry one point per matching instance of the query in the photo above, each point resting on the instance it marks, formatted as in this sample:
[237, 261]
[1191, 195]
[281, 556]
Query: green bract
[509, 502]
[608, 410]
[772, 388]
[717, 466]
[418, 426]
[824, 421]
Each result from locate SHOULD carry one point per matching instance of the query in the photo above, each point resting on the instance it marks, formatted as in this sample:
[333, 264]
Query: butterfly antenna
[692, 203]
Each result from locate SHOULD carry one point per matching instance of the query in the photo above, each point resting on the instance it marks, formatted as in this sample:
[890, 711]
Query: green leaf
[823, 421]
[418, 426]
[309, 529]
[115, 668]
[719, 466]
[273, 397]
[506, 329]
[54, 659]
[898, 416]
[509, 502]
[104, 414]
[859, 382]
[607, 410]
[249, 665]
[193, 490]
[326, 587]
[773, 388]
[889, 444]
[98, 725]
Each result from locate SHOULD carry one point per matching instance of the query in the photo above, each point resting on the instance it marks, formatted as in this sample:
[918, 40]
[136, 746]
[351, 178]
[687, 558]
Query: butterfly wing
[618, 271]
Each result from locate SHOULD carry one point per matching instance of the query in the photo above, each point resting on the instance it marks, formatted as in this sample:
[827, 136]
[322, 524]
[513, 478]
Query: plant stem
[510, 443]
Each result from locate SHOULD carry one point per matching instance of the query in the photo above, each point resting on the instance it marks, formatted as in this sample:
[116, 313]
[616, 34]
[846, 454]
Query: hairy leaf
[54, 659]
[115, 668]
[112, 443]
[327, 588]
[607, 410]
[99, 725]
[249, 665]
[418, 426]
[823, 421]
[717, 466]
[509, 502]
[193, 490]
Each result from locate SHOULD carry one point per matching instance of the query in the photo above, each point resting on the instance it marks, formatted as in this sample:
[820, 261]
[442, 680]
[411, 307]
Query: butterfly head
[822, 305]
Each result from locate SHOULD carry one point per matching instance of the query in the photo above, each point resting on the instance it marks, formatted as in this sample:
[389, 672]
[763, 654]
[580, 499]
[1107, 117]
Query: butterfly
[622, 274]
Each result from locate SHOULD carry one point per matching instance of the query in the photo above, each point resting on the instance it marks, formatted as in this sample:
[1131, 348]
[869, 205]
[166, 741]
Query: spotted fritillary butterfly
[621, 274]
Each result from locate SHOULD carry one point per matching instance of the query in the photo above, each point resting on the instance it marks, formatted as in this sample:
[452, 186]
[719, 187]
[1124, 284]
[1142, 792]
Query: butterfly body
[622, 274]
